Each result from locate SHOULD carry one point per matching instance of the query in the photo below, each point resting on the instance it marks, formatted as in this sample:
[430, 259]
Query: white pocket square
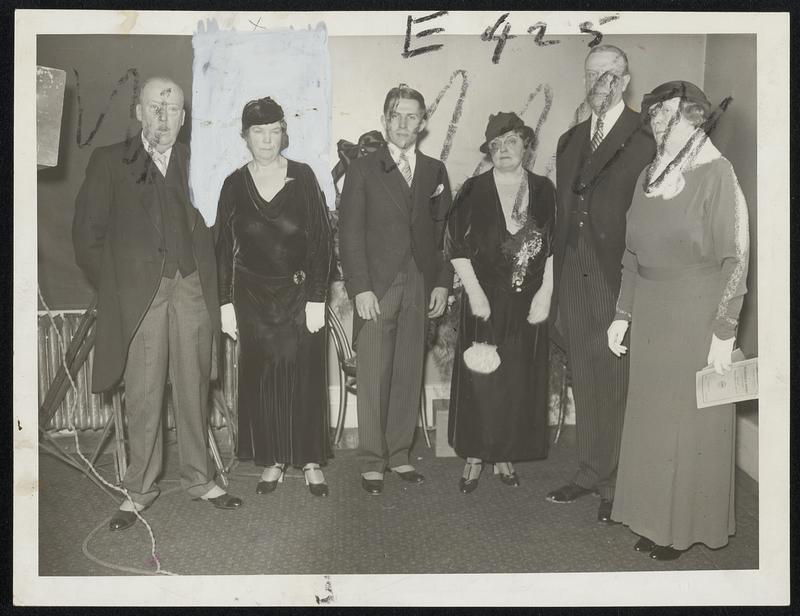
[439, 190]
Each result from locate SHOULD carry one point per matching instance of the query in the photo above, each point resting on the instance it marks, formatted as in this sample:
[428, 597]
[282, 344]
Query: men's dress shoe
[411, 476]
[372, 486]
[225, 501]
[644, 545]
[663, 552]
[568, 493]
[604, 511]
[122, 520]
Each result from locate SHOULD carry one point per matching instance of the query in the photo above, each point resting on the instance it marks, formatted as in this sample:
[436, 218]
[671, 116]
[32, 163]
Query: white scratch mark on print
[231, 68]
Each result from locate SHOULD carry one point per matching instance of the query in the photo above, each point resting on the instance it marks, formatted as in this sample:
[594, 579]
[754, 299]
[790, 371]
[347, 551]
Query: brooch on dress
[522, 247]
[299, 277]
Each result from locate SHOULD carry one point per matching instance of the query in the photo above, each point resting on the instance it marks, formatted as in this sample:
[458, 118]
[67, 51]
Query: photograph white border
[769, 585]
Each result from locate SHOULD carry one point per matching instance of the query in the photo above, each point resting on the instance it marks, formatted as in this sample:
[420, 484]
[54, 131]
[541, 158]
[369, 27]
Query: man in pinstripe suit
[393, 207]
[597, 164]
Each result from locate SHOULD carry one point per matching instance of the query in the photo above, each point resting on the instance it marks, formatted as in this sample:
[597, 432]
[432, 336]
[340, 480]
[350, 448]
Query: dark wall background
[109, 71]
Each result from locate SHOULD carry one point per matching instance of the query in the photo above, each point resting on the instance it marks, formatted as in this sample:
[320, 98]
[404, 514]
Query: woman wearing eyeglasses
[498, 240]
[683, 283]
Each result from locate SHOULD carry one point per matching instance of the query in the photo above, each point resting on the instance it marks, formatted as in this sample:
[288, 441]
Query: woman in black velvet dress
[498, 240]
[274, 256]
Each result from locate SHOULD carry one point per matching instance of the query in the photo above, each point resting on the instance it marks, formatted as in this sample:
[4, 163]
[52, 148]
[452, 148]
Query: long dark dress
[273, 257]
[501, 416]
[683, 279]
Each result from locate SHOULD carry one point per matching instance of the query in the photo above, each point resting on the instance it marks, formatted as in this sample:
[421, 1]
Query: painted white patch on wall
[232, 68]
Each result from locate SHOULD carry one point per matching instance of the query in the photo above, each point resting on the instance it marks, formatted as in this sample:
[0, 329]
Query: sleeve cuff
[725, 327]
[317, 294]
[445, 278]
[621, 315]
[355, 286]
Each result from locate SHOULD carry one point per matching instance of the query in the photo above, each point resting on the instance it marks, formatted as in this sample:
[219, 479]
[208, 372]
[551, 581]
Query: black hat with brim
[684, 90]
[501, 123]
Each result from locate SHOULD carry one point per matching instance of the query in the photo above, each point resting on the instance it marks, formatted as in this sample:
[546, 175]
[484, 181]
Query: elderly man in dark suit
[597, 164]
[393, 208]
[150, 256]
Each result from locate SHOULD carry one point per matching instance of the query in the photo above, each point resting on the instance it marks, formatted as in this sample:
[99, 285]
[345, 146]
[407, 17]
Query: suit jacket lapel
[597, 161]
[423, 180]
[179, 165]
[139, 166]
[392, 180]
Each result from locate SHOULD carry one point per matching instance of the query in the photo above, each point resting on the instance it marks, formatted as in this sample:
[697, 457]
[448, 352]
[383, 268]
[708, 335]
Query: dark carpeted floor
[428, 528]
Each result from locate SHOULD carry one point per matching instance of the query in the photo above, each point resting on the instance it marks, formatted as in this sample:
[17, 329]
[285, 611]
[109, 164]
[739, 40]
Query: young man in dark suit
[597, 164]
[150, 256]
[392, 214]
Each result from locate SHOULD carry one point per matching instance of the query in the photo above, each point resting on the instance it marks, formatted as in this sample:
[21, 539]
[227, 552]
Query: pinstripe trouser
[599, 379]
[389, 363]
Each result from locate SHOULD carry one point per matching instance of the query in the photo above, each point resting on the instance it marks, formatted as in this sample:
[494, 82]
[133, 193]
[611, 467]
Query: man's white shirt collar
[411, 155]
[609, 119]
[150, 149]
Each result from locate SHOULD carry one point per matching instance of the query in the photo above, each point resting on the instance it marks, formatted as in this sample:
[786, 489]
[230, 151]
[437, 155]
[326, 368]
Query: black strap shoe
[469, 478]
[510, 477]
[269, 485]
[318, 488]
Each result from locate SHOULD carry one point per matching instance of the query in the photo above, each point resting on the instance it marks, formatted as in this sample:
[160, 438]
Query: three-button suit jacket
[602, 183]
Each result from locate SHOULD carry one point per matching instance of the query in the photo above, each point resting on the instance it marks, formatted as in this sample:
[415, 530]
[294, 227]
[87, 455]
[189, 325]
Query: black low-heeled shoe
[665, 552]
[510, 479]
[265, 487]
[469, 484]
[644, 545]
[317, 489]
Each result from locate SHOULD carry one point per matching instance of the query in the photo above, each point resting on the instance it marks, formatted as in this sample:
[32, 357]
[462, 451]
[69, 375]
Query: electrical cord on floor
[89, 465]
[108, 565]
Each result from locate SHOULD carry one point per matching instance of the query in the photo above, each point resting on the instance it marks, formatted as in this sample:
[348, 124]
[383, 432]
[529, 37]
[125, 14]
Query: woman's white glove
[479, 303]
[477, 298]
[315, 316]
[719, 355]
[540, 308]
[228, 317]
[616, 332]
